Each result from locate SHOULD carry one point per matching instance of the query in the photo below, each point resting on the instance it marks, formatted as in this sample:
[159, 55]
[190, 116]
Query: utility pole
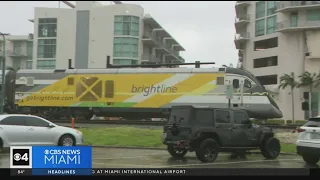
[3, 73]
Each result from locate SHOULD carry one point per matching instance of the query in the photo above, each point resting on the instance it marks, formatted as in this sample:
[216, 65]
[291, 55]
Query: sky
[204, 28]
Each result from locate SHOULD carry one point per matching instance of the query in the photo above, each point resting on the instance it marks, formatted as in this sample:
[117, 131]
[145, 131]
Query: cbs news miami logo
[24, 157]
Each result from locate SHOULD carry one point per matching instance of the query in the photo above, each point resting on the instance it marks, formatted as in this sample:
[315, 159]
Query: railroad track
[151, 123]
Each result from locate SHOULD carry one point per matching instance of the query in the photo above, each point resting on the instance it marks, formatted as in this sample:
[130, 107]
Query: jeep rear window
[179, 116]
[313, 122]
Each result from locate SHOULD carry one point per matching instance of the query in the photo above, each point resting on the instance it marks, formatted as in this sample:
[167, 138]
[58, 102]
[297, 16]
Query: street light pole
[3, 73]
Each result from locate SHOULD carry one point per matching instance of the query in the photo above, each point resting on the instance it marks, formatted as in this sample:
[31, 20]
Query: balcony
[241, 7]
[243, 3]
[16, 54]
[299, 25]
[240, 39]
[242, 21]
[289, 6]
[151, 39]
[151, 59]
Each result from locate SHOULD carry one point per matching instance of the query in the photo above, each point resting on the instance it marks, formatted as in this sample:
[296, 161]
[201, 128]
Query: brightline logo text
[146, 90]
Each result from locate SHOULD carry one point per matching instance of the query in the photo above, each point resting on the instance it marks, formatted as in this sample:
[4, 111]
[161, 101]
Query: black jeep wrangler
[208, 131]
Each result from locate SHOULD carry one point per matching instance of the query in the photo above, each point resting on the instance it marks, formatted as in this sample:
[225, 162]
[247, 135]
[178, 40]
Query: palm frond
[288, 80]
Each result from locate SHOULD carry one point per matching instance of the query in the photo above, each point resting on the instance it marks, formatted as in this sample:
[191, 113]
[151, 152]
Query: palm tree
[309, 80]
[288, 80]
[317, 83]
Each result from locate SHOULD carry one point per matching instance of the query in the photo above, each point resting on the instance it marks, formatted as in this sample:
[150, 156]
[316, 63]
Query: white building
[18, 51]
[90, 32]
[278, 37]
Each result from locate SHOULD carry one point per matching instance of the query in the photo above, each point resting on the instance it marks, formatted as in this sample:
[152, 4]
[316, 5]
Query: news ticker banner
[46, 160]
[169, 172]
[77, 160]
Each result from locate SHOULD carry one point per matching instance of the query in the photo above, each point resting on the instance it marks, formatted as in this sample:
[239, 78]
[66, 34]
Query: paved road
[135, 158]
[79, 125]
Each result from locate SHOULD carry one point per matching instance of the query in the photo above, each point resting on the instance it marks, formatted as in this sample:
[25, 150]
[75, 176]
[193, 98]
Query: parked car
[208, 131]
[308, 142]
[28, 130]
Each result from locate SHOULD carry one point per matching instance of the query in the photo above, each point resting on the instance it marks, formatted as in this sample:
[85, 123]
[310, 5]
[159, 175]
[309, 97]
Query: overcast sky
[205, 29]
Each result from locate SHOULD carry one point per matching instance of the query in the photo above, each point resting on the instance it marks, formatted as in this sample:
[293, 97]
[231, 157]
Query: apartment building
[18, 51]
[278, 37]
[91, 31]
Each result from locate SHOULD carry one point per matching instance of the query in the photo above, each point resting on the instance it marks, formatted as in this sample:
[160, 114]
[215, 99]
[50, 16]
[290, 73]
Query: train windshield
[256, 80]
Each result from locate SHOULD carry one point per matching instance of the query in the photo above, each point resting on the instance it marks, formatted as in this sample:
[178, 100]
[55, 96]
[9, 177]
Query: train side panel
[118, 90]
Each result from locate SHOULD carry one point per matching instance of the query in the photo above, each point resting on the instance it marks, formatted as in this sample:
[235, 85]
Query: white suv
[308, 143]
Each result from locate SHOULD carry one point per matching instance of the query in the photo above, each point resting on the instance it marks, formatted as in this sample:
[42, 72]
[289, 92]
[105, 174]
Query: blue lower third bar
[61, 172]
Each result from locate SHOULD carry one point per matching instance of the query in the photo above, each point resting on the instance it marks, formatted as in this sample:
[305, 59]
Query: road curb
[154, 148]
[130, 147]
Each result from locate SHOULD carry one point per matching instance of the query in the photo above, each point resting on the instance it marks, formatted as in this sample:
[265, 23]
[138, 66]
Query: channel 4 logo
[24, 157]
[21, 157]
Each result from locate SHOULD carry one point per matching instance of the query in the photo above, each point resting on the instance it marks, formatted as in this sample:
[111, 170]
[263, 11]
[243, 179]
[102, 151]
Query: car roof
[3, 116]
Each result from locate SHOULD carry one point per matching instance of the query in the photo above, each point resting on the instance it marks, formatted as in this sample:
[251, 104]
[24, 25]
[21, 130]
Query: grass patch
[288, 148]
[138, 137]
[122, 136]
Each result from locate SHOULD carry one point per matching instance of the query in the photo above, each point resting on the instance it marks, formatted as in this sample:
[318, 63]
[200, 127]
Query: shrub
[279, 122]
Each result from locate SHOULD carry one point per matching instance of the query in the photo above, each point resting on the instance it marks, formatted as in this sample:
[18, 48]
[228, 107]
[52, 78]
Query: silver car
[28, 130]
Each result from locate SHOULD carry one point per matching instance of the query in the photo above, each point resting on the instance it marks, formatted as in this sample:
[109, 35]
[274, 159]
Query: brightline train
[133, 93]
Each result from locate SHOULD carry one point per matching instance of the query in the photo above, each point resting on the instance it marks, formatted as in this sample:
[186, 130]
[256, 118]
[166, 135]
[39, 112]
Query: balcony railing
[159, 41]
[296, 4]
[299, 24]
[241, 36]
[245, 17]
[242, 2]
[16, 53]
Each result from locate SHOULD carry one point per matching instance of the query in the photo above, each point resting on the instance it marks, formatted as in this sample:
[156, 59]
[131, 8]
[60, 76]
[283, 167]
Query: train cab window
[247, 83]
[235, 83]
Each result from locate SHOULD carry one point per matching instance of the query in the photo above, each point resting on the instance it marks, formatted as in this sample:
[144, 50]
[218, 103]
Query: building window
[46, 48]
[260, 27]
[265, 44]
[46, 64]
[271, 5]
[294, 19]
[124, 61]
[265, 62]
[30, 49]
[271, 24]
[29, 65]
[125, 47]
[268, 80]
[47, 27]
[313, 15]
[17, 47]
[126, 25]
[260, 9]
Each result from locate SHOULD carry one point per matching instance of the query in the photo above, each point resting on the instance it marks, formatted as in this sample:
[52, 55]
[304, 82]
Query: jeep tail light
[299, 130]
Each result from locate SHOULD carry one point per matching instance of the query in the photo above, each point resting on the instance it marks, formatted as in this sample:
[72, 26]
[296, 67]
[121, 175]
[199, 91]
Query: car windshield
[179, 116]
[313, 122]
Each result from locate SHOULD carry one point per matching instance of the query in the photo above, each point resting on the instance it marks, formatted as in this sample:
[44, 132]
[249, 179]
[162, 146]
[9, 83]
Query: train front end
[259, 103]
